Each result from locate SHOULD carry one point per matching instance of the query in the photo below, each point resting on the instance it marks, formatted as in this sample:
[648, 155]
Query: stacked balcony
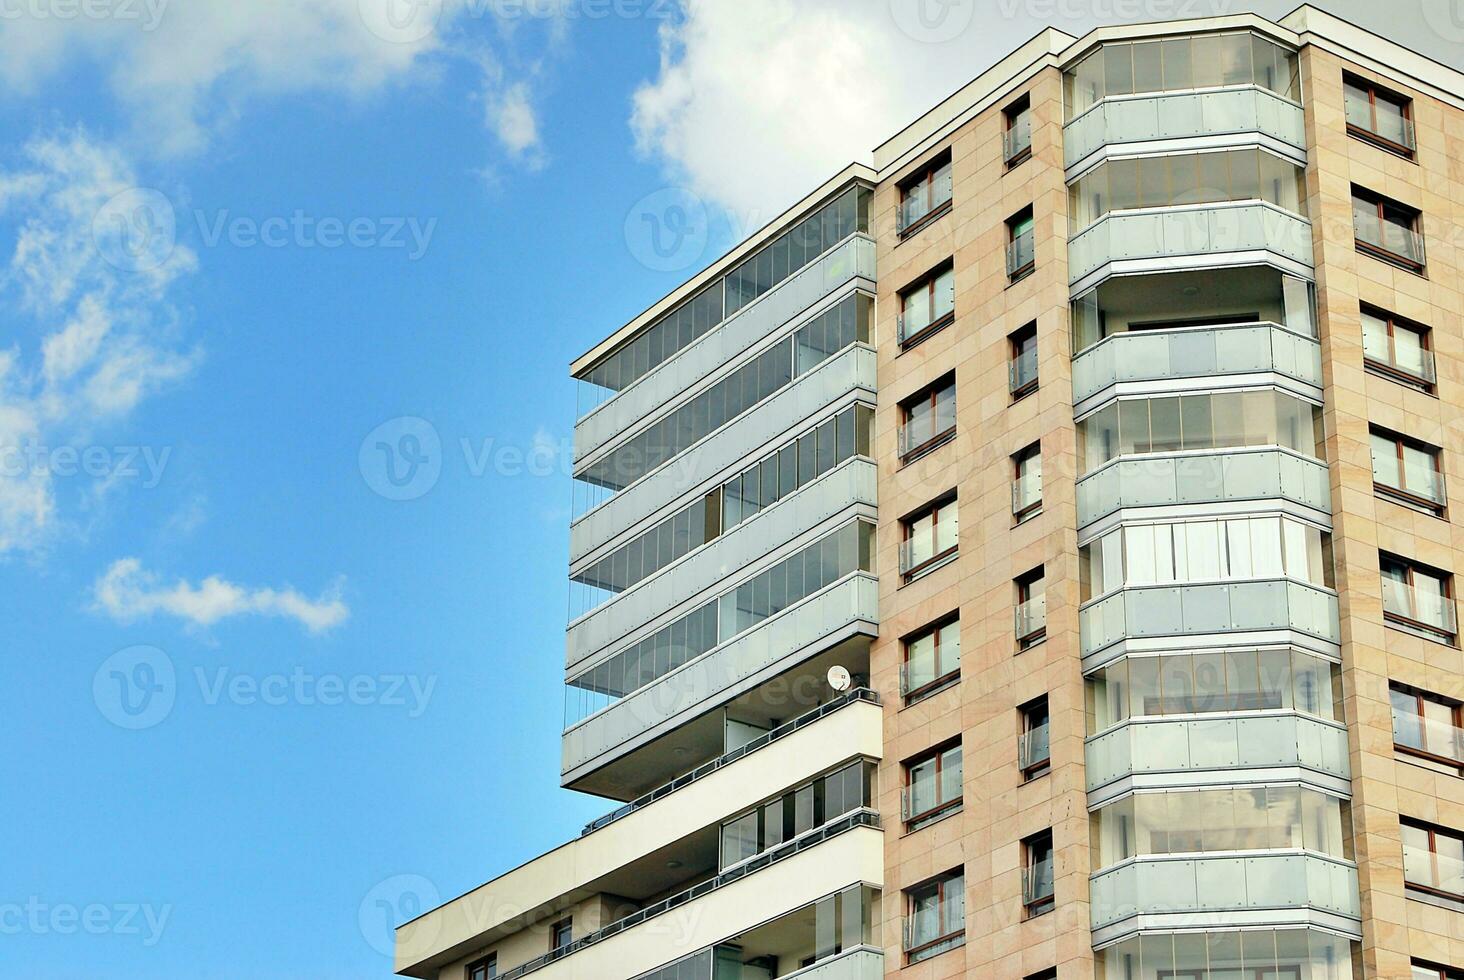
[1209, 625]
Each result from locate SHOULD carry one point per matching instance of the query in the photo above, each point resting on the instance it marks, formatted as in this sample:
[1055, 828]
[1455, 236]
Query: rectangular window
[1418, 598]
[935, 916]
[561, 934]
[1378, 116]
[1034, 752]
[1022, 351]
[1021, 256]
[932, 659]
[1407, 470]
[930, 540]
[927, 306]
[1397, 349]
[1031, 614]
[1027, 482]
[1037, 875]
[1427, 725]
[1387, 230]
[1017, 131]
[925, 197]
[927, 419]
[1432, 971]
[774, 823]
[1433, 860]
[932, 786]
[484, 969]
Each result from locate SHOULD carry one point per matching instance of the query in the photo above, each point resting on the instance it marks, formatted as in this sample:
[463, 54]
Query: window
[1021, 256]
[796, 812]
[1022, 351]
[1378, 116]
[1031, 615]
[1427, 725]
[1431, 971]
[935, 916]
[927, 419]
[1037, 876]
[932, 786]
[1387, 230]
[561, 934]
[1017, 132]
[1027, 482]
[930, 539]
[484, 969]
[1418, 598]
[1396, 348]
[1048, 974]
[927, 306]
[932, 659]
[1207, 683]
[925, 197]
[1034, 752]
[1433, 860]
[1186, 178]
[1407, 470]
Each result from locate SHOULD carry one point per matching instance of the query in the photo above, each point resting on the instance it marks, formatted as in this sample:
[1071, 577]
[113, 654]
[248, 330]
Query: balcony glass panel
[1023, 370]
[1418, 597]
[925, 304]
[936, 919]
[1183, 115]
[927, 420]
[1031, 618]
[1427, 726]
[1397, 347]
[1388, 229]
[929, 537]
[1034, 747]
[1021, 250]
[931, 657]
[1265, 954]
[1407, 468]
[930, 193]
[933, 787]
[1433, 860]
[1017, 137]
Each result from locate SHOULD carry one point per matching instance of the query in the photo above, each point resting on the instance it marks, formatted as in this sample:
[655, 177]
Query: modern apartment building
[1033, 554]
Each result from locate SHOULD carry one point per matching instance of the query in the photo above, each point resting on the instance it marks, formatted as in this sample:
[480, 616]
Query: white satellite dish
[839, 678]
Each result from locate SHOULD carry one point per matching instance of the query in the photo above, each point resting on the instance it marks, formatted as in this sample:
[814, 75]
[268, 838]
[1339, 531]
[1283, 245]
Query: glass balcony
[1127, 240]
[1183, 115]
[1026, 491]
[1430, 736]
[1022, 373]
[1392, 242]
[1427, 484]
[1170, 886]
[1038, 883]
[921, 802]
[1016, 140]
[1159, 746]
[926, 552]
[849, 606]
[1212, 477]
[928, 430]
[1410, 604]
[922, 671]
[1034, 747]
[1187, 610]
[852, 259]
[1021, 255]
[1194, 352]
[1031, 620]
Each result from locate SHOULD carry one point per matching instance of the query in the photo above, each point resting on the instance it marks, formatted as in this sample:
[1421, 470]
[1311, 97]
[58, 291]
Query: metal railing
[859, 818]
[767, 738]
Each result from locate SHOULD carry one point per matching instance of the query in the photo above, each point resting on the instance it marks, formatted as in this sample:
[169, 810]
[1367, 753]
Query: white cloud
[511, 116]
[127, 592]
[90, 338]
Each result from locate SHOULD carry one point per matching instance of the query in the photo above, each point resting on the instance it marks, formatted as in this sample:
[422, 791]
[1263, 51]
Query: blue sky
[258, 706]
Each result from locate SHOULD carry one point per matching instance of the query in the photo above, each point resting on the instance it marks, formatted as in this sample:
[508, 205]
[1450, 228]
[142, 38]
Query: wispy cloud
[127, 591]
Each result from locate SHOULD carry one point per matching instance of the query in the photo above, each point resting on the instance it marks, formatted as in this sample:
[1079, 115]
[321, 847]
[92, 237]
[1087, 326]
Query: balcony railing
[924, 936]
[1021, 256]
[923, 802]
[863, 694]
[1414, 607]
[1404, 143]
[1022, 372]
[924, 672]
[925, 552]
[1038, 886]
[915, 209]
[920, 435]
[1031, 620]
[1397, 245]
[1026, 494]
[859, 818]
[1423, 372]
[1428, 490]
[1034, 748]
[909, 328]
[1434, 872]
[1016, 140]
[1428, 736]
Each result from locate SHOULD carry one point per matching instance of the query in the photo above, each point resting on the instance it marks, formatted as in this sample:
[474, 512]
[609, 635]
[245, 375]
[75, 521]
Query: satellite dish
[839, 678]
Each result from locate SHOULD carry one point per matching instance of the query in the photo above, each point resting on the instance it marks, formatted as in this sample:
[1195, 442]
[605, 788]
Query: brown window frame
[1372, 136]
[925, 176]
[940, 882]
[483, 969]
[926, 817]
[936, 325]
[1433, 834]
[1456, 710]
[937, 683]
[1021, 456]
[1403, 493]
[1027, 213]
[1415, 225]
[1439, 971]
[566, 924]
[1447, 578]
[907, 525]
[1043, 766]
[1391, 370]
[931, 393]
[1015, 339]
[1024, 583]
[1041, 906]
[1009, 116]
